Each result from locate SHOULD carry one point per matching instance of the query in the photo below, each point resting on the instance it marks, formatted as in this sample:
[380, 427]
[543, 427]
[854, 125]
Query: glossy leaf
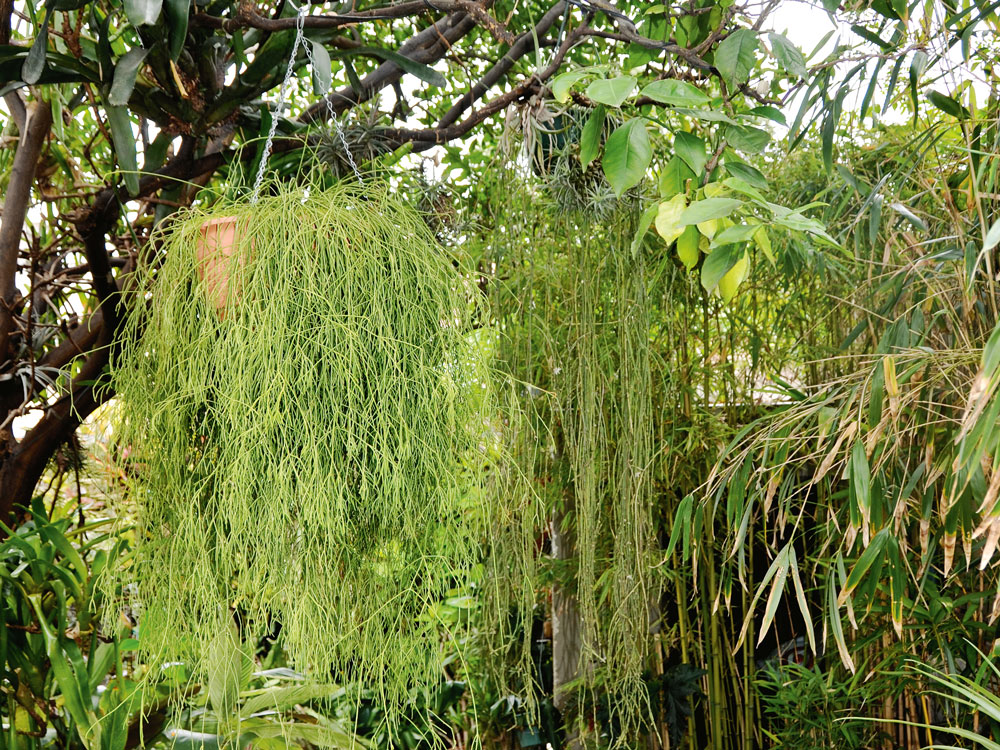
[735, 57]
[611, 92]
[124, 78]
[143, 12]
[677, 93]
[691, 149]
[627, 154]
[590, 136]
[124, 143]
[709, 208]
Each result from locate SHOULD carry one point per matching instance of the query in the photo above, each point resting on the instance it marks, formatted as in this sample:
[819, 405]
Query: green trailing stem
[571, 300]
[314, 456]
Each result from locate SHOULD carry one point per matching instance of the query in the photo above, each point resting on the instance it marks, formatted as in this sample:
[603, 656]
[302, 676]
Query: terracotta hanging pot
[218, 240]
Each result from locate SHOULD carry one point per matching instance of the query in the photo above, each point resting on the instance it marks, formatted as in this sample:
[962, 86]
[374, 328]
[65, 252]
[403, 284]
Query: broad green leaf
[124, 79]
[612, 92]
[668, 215]
[674, 177]
[747, 173]
[590, 137]
[143, 12]
[718, 263]
[739, 186]
[284, 698]
[677, 93]
[322, 74]
[735, 57]
[124, 142]
[788, 55]
[746, 138]
[421, 71]
[735, 233]
[709, 115]
[709, 208]
[691, 149]
[735, 276]
[562, 84]
[627, 155]
[687, 246]
[770, 113]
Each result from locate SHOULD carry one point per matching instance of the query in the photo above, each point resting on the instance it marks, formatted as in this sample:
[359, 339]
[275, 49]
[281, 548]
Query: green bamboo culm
[312, 455]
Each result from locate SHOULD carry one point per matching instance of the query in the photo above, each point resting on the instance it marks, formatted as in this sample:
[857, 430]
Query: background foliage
[745, 301]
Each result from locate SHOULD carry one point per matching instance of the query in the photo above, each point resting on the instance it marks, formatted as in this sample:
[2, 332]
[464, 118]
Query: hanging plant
[305, 405]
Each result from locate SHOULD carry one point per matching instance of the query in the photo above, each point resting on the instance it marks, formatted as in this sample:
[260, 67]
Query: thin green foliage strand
[571, 302]
[314, 457]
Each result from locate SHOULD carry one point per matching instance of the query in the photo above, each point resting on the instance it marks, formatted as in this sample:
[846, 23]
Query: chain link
[282, 94]
[338, 130]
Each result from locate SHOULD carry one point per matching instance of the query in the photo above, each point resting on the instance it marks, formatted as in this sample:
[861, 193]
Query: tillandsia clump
[310, 455]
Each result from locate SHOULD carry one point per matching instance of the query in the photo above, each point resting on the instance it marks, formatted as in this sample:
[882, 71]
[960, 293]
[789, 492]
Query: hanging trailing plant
[307, 416]
[572, 303]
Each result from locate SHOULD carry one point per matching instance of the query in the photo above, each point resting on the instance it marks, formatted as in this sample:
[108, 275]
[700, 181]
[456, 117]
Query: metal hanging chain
[338, 130]
[282, 94]
[282, 98]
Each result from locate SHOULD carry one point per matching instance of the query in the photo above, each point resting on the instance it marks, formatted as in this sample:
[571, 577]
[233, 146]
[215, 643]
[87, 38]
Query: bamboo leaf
[800, 598]
[872, 554]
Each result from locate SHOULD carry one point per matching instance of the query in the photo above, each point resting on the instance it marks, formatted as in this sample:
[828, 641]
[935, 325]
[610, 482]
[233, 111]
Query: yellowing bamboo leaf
[764, 243]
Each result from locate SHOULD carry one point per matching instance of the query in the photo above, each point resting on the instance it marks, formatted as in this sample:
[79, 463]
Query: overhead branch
[15, 210]
[427, 137]
[426, 47]
[247, 18]
[524, 44]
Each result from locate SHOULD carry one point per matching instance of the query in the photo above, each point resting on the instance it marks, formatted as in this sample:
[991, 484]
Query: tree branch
[246, 18]
[15, 209]
[524, 44]
[427, 46]
[427, 137]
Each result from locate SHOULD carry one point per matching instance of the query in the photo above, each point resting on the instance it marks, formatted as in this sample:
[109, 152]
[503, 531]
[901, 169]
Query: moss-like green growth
[314, 456]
